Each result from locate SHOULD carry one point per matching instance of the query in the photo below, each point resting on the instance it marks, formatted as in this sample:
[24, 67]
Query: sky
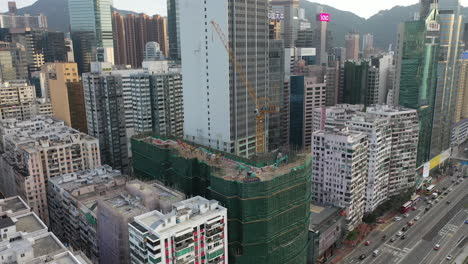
[363, 8]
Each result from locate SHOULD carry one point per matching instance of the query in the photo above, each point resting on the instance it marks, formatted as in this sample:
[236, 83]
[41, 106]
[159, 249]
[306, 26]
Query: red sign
[324, 17]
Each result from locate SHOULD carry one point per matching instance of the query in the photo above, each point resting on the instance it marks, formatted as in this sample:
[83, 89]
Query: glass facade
[296, 118]
[355, 82]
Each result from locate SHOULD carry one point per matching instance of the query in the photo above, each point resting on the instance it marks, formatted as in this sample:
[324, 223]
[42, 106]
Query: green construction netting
[268, 221]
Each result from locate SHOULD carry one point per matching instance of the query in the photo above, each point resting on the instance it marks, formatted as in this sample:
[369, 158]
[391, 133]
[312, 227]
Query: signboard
[465, 56]
[324, 17]
[276, 16]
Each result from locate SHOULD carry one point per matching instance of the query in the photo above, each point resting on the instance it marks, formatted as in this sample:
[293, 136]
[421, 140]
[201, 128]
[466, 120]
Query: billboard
[276, 16]
[324, 17]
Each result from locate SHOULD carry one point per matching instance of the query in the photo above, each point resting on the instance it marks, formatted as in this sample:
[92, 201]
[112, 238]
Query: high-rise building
[425, 8]
[18, 101]
[26, 239]
[339, 175]
[379, 138]
[192, 222]
[173, 29]
[13, 20]
[222, 114]
[13, 62]
[355, 82]
[116, 210]
[405, 135]
[352, 46]
[12, 7]
[207, 172]
[306, 38]
[333, 85]
[39, 149]
[90, 28]
[133, 32]
[63, 87]
[307, 93]
[322, 39]
[367, 45]
[462, 97]
[451, 48]
[418, 48]
[123, 103]
[276, 91]
[290, 23]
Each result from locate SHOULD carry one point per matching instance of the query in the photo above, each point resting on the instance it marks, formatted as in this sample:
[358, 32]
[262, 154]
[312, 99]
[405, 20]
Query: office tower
[418, 48]
[69, 50]
[199, 172]
[462, 97]
[65, 91]
[336, 149]
[405, 135]
[26, 239]
[384, 64]
[307, 93]
[275, 29]
[379, 138]
[13, 20]
[289, 25]
[333, 85]
[73, 205]
[305, 38]
[153, 52]
[210, 102]
[195, 221]
[322, 38]
[18, 101]
[116, 210]
[133, 32]
[276, 91]
[451, 47]
[173, 29]
[425, 8]
[367, 45]
[339, 54]
[90, 28]
[352, 46]
[355, 82]
[39, 149]
[13, 62]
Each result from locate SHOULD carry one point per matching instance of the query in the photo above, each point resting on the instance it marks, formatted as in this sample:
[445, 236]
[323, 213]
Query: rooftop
[47, 245]
[231, 167]
[29, 223]
[13, 205]
[126, 204]
[322, 217]
[6, 222]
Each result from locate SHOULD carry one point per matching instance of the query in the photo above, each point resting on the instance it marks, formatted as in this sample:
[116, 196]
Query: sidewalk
[462, 257]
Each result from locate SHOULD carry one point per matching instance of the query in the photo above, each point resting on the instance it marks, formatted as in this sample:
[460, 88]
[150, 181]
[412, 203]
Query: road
[443, 224]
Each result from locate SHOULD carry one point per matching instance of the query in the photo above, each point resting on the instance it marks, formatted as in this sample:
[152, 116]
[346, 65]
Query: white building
[37, 150]
[195, 231]
[339, 173]
[379, 138]
[405, 135]
[24, 238]
[330, 116]
[460, 132]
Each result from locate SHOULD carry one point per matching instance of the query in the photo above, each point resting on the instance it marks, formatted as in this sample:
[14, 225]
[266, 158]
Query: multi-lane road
[443, 224]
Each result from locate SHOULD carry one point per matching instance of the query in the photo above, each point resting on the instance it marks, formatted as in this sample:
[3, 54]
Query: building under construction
[267, 199]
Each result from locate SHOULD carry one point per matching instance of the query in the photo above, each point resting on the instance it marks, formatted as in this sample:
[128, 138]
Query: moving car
[363, 256]
[410, 223]
[448, 202]
[403, 237]
[405, 228]
[406, 215]
[436, 247]
[399, 233]
[417, 218]
[375, 253]
[397, 218]
[392, 239]
[466, 221]
[449, 257]
[380, 221]
[367, 243]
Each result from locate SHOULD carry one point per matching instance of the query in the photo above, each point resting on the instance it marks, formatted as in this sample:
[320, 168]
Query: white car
[406, 215]
[397, 218]
[449, 257]
[417, 218]
[399, 233]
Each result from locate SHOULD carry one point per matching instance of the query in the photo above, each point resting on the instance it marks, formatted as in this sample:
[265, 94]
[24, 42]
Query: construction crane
[263, 106]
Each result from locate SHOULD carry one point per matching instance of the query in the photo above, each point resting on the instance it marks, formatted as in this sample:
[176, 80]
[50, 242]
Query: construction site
[267, 198]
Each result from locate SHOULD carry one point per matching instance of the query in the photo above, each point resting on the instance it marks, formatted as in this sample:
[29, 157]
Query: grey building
[90, 28]
[451, 47]
[276, 91]
[290, 24]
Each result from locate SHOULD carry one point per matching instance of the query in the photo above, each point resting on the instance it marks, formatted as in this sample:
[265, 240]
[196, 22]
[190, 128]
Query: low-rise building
[195, 231]
[24, 238]
[460, 132]
[35, 151]
[117, 210]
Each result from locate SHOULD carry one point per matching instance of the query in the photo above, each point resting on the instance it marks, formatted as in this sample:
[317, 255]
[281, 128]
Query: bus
[430, 189]
[406, 207]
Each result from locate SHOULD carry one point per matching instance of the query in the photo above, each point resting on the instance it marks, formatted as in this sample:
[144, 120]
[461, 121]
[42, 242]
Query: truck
[435, 195]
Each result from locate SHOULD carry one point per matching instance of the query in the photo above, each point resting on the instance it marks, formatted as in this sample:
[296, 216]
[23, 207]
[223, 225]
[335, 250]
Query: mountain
[383, 25]
[56, 12]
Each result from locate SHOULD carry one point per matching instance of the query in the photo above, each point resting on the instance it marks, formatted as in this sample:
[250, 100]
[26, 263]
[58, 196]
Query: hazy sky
[364, 8]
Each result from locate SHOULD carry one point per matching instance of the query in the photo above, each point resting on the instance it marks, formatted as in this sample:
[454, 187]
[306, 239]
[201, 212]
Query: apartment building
[72, 200]
[339, 175]
[404, 126]
[379, 138]
[18, 100]
[331, 116]
[41, 150]
[117, 210]
[195, 231]
[24, 238]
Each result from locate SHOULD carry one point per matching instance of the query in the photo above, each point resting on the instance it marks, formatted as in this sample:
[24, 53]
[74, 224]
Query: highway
[443, 224]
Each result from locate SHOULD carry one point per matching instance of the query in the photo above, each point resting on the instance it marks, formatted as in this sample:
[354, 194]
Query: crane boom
[262, 105]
